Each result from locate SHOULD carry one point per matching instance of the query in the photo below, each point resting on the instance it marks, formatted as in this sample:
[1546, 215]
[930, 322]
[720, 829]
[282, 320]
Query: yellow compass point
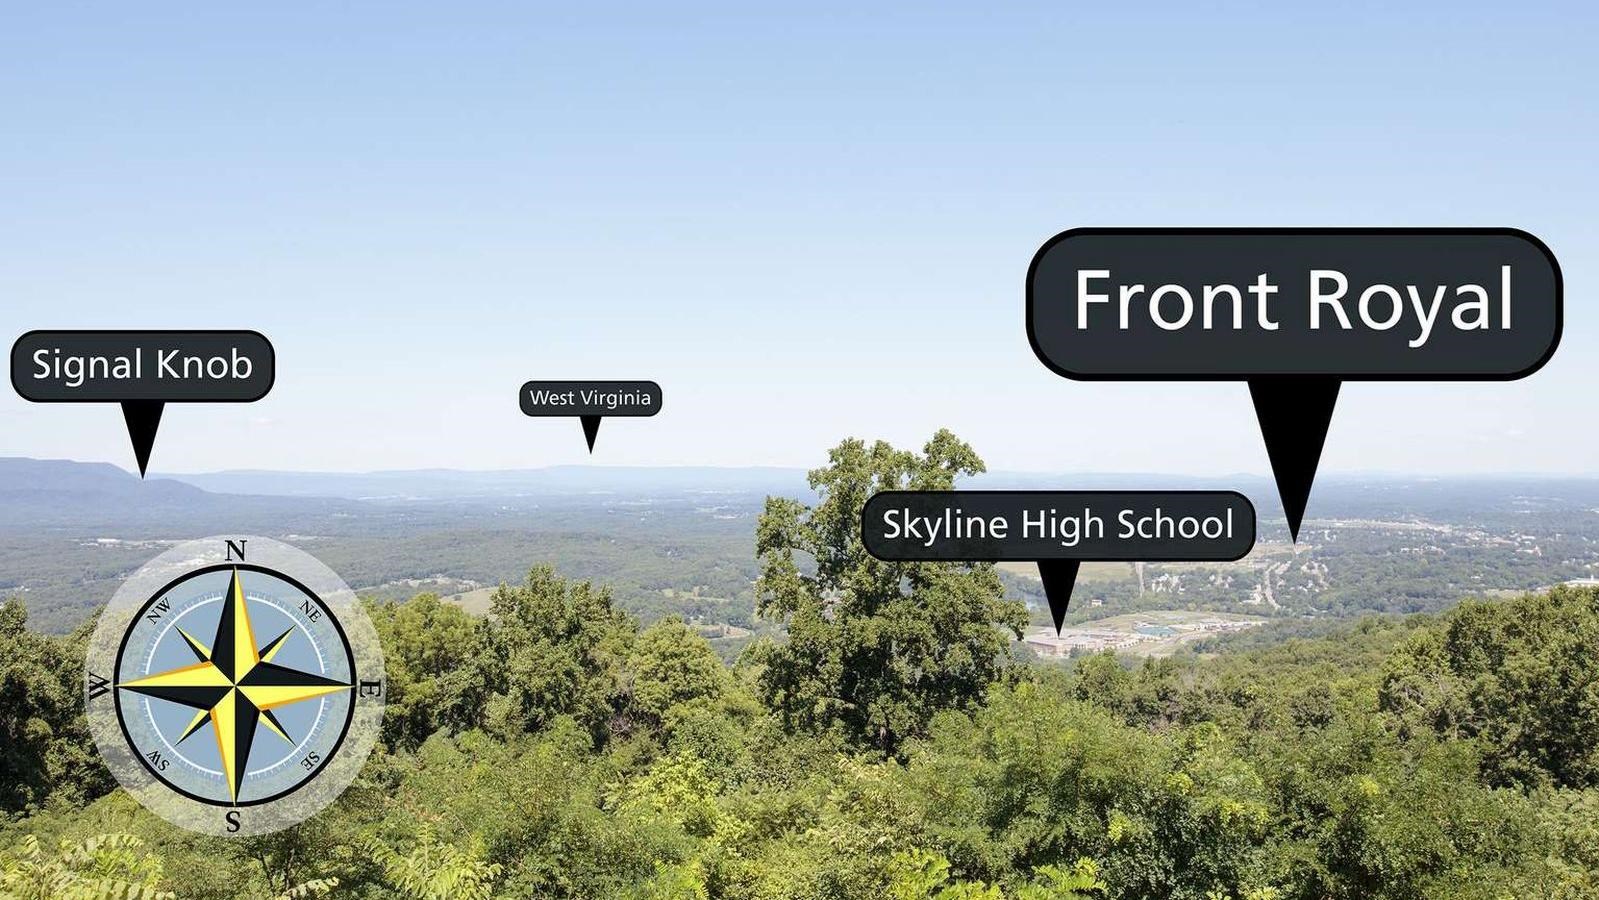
[245, 654]
[224, 721]
[198, 675]
[272, 725]
[200, 718]
[272, 696]
[201, 651]
[273, 646]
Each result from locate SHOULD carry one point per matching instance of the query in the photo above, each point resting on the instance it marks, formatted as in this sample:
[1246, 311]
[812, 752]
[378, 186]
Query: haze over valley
[680, 541]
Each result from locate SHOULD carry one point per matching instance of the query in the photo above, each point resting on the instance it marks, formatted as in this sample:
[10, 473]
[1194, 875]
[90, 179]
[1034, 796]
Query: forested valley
[888, 745]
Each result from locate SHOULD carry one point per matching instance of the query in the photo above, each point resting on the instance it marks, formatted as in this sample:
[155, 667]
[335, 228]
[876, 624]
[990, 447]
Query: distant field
[1151, 633]
[1090, 571]
[475, 602]
[1169, 618]
[727, 640]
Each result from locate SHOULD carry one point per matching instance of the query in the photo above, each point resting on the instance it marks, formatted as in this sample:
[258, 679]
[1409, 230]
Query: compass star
[235, 685]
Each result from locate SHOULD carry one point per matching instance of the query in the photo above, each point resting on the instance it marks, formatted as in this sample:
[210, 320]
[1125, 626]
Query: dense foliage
[555, 749]
[875, 648]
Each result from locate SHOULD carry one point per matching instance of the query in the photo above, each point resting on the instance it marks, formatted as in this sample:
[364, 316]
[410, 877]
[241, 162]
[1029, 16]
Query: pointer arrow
[142, 417]
[1059, 577]
[1294, 413]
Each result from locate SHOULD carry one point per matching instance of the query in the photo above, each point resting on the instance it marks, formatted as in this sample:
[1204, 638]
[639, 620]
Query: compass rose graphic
[234, 685]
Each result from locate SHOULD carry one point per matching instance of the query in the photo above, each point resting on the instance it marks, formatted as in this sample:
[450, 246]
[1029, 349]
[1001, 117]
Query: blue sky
[804, 224]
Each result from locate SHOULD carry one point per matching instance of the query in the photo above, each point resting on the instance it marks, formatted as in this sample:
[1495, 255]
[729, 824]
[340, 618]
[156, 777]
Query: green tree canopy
[875, 648]
[431, 650]
[671, 665]
[44, 740]
[1522, 677]
[554, 647]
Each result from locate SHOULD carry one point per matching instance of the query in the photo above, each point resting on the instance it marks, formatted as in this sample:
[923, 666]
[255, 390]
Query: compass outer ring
[339, 767]
[344, 642]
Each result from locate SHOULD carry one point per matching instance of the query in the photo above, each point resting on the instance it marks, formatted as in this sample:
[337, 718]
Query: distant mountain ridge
[84, 498]
[80, 495]
[437, 484]
[454, 484]
[22, 477]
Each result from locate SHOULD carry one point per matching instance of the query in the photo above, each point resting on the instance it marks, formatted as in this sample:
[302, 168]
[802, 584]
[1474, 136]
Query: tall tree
[875, 648]
[554, 647]
[671, 664]
[44, 738]
[430, 653]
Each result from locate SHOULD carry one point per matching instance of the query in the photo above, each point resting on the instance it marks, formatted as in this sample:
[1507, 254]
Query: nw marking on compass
[234, 685]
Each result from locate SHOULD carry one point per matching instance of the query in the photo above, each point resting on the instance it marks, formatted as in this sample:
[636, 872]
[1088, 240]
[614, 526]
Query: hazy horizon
[1330, 474]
